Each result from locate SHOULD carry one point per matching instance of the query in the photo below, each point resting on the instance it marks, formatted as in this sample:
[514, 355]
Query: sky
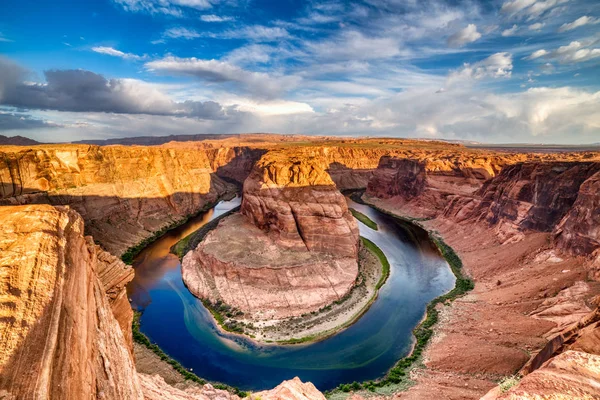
[496, 71]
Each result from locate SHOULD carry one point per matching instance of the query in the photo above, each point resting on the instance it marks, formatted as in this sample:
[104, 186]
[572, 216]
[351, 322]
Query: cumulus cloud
[581, 21]
[536, 27]
[574, 52]
[510, 31]
[537, 54]
[116, 53]
[497, 65]
[215, 18]
[257, 83]
[86, 91]
[181, 33]
[464, 36]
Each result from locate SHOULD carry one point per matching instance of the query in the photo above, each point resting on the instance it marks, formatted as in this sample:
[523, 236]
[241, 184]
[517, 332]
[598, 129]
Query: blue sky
[490, 71]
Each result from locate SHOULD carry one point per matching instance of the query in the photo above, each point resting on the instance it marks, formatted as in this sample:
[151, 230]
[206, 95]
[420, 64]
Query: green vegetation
[133, 251]
[398, 374]
[364, 219]
[385, 264]
[192, 240]
[142, 339]
[508, 382]
[222, 313]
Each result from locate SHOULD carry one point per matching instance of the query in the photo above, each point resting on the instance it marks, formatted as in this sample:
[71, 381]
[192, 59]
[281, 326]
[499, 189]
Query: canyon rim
[300, 200]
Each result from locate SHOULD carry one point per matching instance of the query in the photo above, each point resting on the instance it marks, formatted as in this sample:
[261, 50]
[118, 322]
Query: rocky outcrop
[59, 338]
[294, 199]
[124, 194]
[397, 177]
[536, 196]
[114, 275]
[579, 230]
[570, 375]
[244, 267]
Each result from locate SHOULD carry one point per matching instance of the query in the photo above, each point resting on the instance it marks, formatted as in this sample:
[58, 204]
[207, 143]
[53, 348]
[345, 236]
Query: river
[184, 329]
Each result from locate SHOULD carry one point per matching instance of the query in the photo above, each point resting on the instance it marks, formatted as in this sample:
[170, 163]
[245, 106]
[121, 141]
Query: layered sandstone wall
[124, 194]
[294, 199]
[559, 196]
[397, 177]
[59, 337]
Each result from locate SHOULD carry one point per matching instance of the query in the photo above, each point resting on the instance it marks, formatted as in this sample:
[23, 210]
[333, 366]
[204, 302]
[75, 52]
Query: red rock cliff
[124, 194]
[294, 199]
[397, 177]
[60, 339]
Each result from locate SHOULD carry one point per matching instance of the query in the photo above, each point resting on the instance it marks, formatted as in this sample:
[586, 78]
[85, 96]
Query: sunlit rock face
[292, 249]
[294, 199]
[60, 339]
[397, 177]
[124, 194]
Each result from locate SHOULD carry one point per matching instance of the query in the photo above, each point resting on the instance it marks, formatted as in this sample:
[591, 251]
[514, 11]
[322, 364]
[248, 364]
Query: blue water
[184, 329]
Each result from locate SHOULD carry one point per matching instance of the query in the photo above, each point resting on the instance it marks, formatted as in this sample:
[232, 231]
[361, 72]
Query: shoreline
[320, 335]
[424, 331]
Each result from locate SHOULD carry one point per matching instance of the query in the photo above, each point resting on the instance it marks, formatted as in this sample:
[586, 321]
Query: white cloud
[510, 31]
[3, 38]
[215, 18]
[181, 33]
[537, 54]
[257, 33]
[169, 7]
[497, 65]
[514, 6]
[222, 72]
[464, 36]
[529, 8]
[536, 27]
[116, 53]
[353, 45]
[581, 21]
[574, 52]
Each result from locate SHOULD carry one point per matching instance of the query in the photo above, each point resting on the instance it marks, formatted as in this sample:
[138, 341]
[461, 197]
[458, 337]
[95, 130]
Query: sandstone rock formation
[292, 251]
[124, 194]
[245, 268]
[579, 230]
[535, 196]
[397, 177]
[570, 375]
[59, 338]
[294, 200]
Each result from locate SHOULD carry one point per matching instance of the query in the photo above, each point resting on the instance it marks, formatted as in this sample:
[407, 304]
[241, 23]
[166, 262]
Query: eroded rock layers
[292, 250]
[397, 177]
[124, 194]
[59, 337]
[296, 202]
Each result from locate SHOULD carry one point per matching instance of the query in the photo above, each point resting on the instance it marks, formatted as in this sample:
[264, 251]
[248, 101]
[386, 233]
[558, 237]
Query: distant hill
[17, 141]
[156, 140]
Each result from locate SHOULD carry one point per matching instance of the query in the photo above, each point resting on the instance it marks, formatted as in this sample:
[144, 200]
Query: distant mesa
[17, 141]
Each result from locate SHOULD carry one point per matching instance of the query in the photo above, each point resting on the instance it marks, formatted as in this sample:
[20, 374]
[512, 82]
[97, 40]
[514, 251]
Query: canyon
[524, 224]
[292, 250]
